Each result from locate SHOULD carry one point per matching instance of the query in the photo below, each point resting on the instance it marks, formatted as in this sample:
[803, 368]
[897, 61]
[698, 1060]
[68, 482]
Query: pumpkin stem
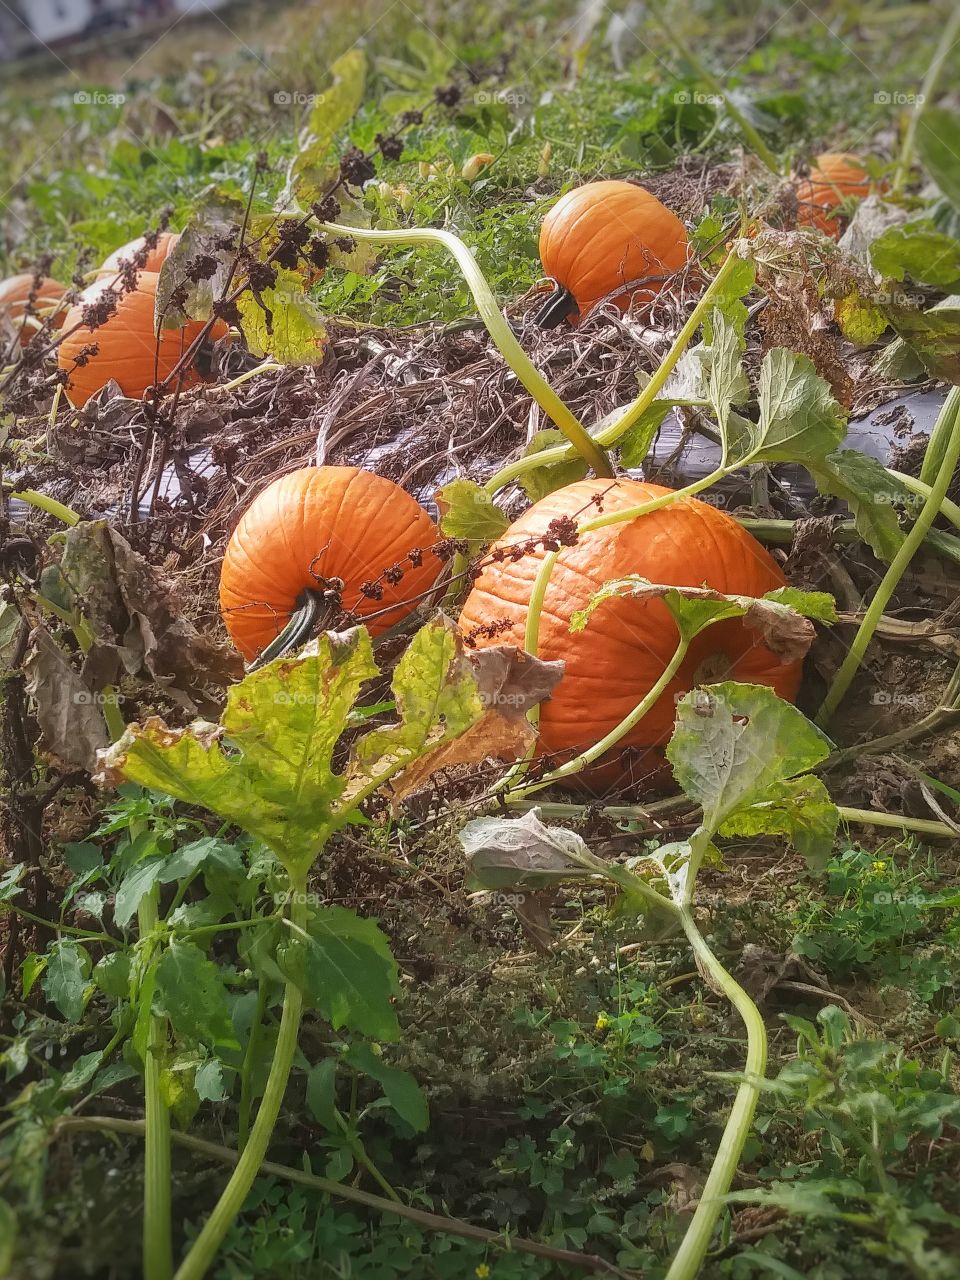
[312, 610]
[560, 304]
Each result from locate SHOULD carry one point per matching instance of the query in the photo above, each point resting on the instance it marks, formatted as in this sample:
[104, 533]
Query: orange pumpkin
[834, 178]
[315, 525]
[606, 235]
[15, 299]
[129, 350]
[155, 259]
[627, 643]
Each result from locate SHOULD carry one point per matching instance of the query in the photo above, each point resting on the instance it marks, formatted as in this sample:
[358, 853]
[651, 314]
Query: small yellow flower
[602, 1022]
[879, 866]
[471, 168]
[482, 1271]
[546, 155]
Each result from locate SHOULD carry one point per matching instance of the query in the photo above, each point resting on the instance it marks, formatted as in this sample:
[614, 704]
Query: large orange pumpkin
[834, 178]
[627, 643]
[315, 525]
[14, 299]
[129, 350]
[155, 259]
[606, 235]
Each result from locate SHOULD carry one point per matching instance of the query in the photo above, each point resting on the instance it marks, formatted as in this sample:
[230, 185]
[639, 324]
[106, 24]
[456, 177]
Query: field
[480, 709]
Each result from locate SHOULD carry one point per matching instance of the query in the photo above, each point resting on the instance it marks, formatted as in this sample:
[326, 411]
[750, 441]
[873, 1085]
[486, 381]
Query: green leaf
[209, 1082]
[635, 444]
[871, 493]
[400, 1088]
[64, 980]
[734, 742]
[189, 858]
[468, 511]
[345, 968]
[284, 322]
[190, 992]
[938, 146]
[800, 421]
[10, 882]
[134, 886]
[112, 974]
[322, 1093]
[820, 606]
[437, 699]
[917, 251]
[799, 809]
[82, 1072]
[729, 302]
[140, 1037]
[934, 336]
[547, 479]
[727, 384]
[282, 723]
[31, 969]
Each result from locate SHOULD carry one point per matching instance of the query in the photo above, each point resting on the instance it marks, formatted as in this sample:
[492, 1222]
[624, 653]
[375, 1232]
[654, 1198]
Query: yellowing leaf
[288, 325]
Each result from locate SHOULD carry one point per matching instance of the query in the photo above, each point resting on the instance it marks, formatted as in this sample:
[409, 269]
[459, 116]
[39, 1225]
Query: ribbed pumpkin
[156, 257]
[129, 350]
[604, 235]
[627, 643]
[14, 296]
[833, 178]
[316, 524]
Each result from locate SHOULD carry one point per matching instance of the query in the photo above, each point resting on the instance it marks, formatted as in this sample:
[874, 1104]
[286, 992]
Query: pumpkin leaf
[309, 174]
[782, 623]
[437, 698]
[361, 256]
[635, 444]
[514, 853]
[800, 421]
[344, 966]
[268, 766]
[934, 336]
[283, 322]
[727, 383]
[190, 992]
[537, 484]
[734, 744]
[729, 302]
[799, 809]
[214, 218]
[400, 1088]
[938, 146]
[871, 493]
[65, 978]
[860, 320]
[468, 511]
[917, 251]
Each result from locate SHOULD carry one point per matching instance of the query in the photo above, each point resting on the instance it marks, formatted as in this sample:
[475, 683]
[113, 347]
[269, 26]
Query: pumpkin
[15, 298]
[129, 350]
[627, 643]
[316, 525]
[602, 236]
[833, 179]
[155, 259]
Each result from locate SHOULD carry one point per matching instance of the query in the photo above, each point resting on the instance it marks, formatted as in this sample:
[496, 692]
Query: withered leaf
[511, 681]
[68, 713]
[506, 853]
